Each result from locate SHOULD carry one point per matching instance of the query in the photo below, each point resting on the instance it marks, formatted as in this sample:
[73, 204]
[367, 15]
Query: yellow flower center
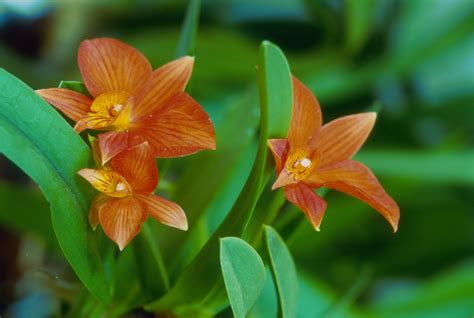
[300, 163]
[109, 111]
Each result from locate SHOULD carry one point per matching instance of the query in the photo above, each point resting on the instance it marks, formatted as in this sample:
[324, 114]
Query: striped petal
[122, 219]
[357, 180]
[279, 148]
[73, 104]
[306, 117]
[138, 167]
[108, 65]
[97, 203]
[309, 202]
[112, 143]
[166, 81]
[181, 128]
[108, 182]
[341, 138]
[164, 211]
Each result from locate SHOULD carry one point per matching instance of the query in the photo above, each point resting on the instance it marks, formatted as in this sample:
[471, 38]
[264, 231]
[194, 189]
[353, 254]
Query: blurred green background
[413, 60]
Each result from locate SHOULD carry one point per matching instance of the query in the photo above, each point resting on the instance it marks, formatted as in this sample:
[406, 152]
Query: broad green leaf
[244, 274]
[422, 166]
[74, 86]
[202, 274]
[283, 271]
[37, 139]
[187, 39]
[276, 89]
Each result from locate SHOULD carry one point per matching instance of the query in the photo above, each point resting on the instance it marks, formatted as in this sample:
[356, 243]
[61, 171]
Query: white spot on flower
[120, 186]
[305, 162]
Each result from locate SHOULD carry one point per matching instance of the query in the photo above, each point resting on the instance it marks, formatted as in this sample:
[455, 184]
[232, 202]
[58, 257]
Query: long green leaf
[244, 274]
[283, 271]
[36, 138]
[202, 274]
[187, 39]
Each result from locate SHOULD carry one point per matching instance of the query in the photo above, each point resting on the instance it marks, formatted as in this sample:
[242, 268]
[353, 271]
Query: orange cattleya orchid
[315, 156]
[133, 103]
[126, 200]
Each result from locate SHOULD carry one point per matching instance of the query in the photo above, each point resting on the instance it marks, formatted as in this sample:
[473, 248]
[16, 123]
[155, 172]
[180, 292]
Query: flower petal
[306, 117]
[96, 153]
[304, 198]
[357, 180]
[138, 167]
[166, 81]
[97, 203]
[112, 143]
[341, 138]
[284, 178]
[108, 65]
[164, 211]
[73, 104]
[181, 128]
[279, 148]
[122, 219]
[108, 182]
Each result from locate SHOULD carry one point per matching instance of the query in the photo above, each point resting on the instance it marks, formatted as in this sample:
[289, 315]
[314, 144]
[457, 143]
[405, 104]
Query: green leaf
[187, 39]
[244, 274]
[75, 86]
[283, 271]
[276, 88]
[202, 274]
[36, 138]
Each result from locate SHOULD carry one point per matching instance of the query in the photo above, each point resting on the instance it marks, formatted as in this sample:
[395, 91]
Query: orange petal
[283, 179]
[181, 128]
[166, 81]
[73, 104]
[304, 198]
[306, 116]
[97, 203]
[166, 212]
[108, 65]
[355, 179]
[279, 148]
[108, 182]
[112, 143]
[138, 167]
[122, 219]
[341, 138]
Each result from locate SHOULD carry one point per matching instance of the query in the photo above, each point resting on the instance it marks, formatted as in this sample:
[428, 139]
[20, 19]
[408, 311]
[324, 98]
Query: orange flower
[316, 156]
[133, 103]
[126, 199]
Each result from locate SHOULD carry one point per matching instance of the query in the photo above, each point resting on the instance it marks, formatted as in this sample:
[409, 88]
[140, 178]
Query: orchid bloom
[133, 103]
[126, 198]
[315, 156]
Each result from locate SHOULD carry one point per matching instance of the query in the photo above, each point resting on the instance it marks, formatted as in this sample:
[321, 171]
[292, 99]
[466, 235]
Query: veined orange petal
[97, 203]
[309, 202]
[112, 143]
[108, 182]
[283, 179]
[357, 180]
[279, 148]
[306, 117]
[137, 165]
[166, 81]
[122, 219]
[164, 211]
[73, 104]
[181, 128]
[341, 138]
[108, 65]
